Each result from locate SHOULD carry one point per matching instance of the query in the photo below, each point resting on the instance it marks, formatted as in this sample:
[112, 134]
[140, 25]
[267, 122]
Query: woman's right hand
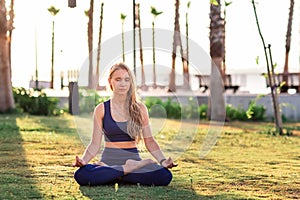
[79, 162]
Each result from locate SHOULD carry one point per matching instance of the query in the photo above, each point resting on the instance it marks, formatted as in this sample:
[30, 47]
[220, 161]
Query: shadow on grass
[15, 177]
[127, 191]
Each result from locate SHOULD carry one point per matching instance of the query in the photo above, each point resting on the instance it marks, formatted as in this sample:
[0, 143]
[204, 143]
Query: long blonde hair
[134, 125]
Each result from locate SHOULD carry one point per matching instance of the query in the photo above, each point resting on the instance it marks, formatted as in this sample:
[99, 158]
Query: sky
[31, 43]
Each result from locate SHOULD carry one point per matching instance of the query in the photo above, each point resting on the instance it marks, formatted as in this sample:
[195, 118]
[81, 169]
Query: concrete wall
[290, 104]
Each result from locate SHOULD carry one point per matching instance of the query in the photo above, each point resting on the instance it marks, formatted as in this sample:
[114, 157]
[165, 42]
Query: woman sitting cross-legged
[124, 121]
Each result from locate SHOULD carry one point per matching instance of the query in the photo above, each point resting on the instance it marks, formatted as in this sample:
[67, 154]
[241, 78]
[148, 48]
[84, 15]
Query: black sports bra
[114, 131]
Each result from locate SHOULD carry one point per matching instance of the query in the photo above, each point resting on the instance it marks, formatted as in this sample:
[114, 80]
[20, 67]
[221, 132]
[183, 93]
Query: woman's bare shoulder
[99, 109]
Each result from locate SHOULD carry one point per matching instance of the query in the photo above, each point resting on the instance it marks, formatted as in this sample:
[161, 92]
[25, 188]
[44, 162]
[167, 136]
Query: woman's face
[120, 81]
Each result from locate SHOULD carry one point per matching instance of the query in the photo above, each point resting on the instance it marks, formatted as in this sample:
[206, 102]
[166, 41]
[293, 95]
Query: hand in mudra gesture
[79, 162]
[168, 163]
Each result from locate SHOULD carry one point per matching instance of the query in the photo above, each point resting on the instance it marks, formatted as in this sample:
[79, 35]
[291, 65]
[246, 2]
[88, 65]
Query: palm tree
[53, 11]
[155, 13]
[176, 43]
[6, 95]
[288, 46]
[186, 74]
[99, 46]
[10, 26]
[138, 25]
[90, 14]
[224, 57]
[123, 17]
[216, 102]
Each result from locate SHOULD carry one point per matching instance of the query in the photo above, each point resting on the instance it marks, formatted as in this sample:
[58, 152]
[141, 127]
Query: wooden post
[73, 98]
[73, 92]
[72, 3]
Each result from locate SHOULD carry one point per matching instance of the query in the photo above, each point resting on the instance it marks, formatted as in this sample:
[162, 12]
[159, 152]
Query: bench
[293, 81]
[204, 81]
[40, 84]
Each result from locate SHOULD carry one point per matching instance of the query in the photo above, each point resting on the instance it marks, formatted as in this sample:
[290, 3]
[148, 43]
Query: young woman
[123, 121]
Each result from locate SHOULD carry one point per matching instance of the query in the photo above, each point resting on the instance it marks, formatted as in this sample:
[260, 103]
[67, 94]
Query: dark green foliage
[89, 99]
[192, 110]
[203, 108]
[158, 108]
[35, 102]
[233, 113]
[173, 109]
[256, 112]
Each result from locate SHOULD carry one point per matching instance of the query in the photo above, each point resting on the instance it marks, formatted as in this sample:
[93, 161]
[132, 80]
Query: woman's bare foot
[132, 165]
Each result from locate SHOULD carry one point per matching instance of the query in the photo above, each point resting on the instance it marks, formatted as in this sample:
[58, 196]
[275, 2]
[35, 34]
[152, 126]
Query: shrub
[35, 102]
[233, 113]
[203, 108]
[256, 112]
[89, 99]
[158, 108]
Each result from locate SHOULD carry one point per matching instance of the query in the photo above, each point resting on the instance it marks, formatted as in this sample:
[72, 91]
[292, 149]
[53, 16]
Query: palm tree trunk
[216, 102]
[90, 44]
[186, 74]
[177, 43]
[99, 46]
[153, 55]
[287, 47]
[138, 25]
[6, 94]
[10, 27]
[52, 58]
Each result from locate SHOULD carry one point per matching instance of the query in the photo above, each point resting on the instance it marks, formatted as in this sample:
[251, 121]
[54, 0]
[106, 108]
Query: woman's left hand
[168, 163]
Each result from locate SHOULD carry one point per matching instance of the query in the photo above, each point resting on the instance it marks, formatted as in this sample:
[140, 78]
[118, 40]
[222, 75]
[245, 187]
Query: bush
[89, 99]
[158, 108]
[35, 102]
[256, 112]
[203, 108]
[233, 113]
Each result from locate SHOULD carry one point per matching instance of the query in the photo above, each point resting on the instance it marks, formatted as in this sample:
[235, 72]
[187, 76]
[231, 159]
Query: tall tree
[123, 17]
[11, 14]
[177, 44]
[137, 24]
[6, 93]
[90, 14]
[216, 102]
[53, 11]
[271, 76]
[288, 45]
[99, 46]
[186, 74]
[155, 13]
[224, 34]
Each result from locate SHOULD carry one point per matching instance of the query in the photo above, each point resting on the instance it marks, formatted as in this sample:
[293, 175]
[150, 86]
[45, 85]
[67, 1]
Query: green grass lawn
[36, 154]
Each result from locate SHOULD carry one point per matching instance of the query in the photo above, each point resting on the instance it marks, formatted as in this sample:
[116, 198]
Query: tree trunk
[153, 55]
[177, 43]
[186, 73]
[52, 58]
[287, 47]
[6, 94]
[138, 25]
[90, 44]
[99, 47]
[216, 104]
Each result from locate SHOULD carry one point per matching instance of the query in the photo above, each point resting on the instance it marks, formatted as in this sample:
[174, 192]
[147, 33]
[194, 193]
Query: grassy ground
[246, 163]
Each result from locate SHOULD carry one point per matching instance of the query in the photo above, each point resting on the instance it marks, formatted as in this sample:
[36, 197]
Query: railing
[285, 81]
[204, 81]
